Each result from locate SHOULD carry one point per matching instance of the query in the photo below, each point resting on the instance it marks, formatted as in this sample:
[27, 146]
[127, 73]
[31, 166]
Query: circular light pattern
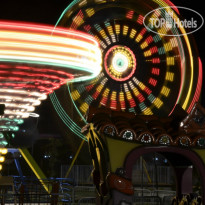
[143, 72]
[128, 135]
[110, 130]
[164, 140]
[184, 141]
[120, 63]
[201, 142]
[35, 60]
[146, 138]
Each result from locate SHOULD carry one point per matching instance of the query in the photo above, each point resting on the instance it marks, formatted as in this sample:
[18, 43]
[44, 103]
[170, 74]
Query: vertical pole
[74, 159]
[156, 173]
[142, 180]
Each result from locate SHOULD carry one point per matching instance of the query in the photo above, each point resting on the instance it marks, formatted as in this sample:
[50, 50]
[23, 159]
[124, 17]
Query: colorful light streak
[35, 60]
[167, 62]
[31, 43]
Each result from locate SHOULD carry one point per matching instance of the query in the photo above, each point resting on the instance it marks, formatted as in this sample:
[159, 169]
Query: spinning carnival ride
[34, 61]
[144, 72]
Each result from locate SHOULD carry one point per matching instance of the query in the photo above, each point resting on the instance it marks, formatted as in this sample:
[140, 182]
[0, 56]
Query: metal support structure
[74, 159]
[18, 166]
[35, 168]
[146, 171]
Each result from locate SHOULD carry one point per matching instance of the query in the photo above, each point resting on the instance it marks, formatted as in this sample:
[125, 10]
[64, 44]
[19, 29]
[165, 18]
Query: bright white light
[34, 115]
[120, 62]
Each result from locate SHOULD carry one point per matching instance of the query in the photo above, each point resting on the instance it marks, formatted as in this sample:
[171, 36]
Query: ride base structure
[117, 139]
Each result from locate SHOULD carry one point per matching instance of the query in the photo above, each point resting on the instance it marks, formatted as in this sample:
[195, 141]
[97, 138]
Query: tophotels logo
[165, 21]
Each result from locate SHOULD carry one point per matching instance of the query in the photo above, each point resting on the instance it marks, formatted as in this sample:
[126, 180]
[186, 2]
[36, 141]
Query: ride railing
[29, 190]
[147, 200]
[141, 196]
[87, 201]
[64, 191]
[142, 192]
[32, 199]
[82, 174]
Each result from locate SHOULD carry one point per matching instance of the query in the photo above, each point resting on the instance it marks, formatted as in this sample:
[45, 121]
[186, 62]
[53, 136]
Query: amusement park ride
[33, 64]
[144, 99]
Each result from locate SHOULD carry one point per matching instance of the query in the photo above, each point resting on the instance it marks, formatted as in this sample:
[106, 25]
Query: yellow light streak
[165, 91]
[133, 33]
[158, 103]
[169, 76]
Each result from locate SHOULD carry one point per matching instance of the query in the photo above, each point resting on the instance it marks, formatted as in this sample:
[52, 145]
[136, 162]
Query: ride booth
[117, 139]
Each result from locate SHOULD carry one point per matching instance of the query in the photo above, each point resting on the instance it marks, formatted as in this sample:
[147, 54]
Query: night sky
[43, 11]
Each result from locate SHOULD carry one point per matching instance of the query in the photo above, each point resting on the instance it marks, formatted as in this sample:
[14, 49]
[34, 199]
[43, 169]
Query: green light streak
[67, 8]
[65, 118]
[10, 124]
[3, 140]
[84, 120]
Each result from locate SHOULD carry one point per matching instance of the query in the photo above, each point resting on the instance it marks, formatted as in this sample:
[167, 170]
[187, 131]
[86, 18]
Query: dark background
[48, 12]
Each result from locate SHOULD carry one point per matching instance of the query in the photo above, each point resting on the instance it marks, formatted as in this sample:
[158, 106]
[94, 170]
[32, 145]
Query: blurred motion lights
[143, 72]
[35, 60]
[3, 150]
